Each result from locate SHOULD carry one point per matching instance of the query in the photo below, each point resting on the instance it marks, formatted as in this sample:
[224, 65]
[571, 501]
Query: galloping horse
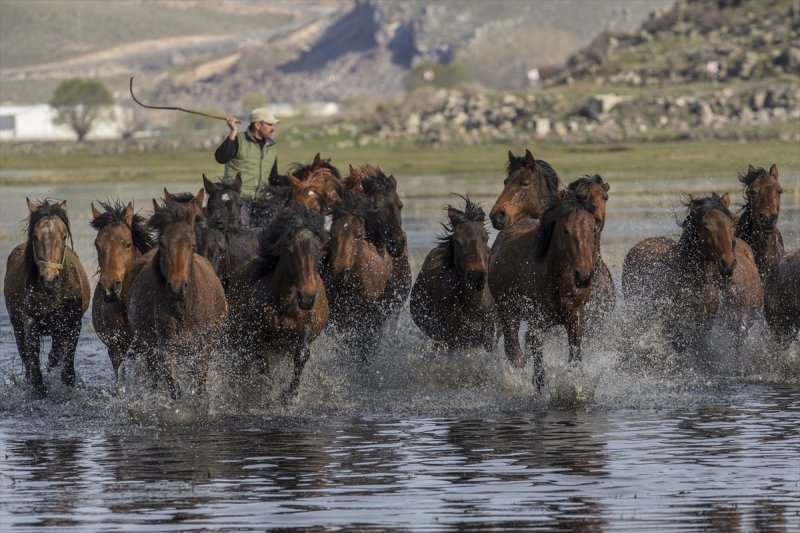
[47, 292]
[603, 298]
[278, 300]
[224, 201]
[122, 237]
[529, 187]
[356, 271]
[381, 191]
[450, 300]
[686, 283]
[176, 304]
[543, 274]
[780, 272]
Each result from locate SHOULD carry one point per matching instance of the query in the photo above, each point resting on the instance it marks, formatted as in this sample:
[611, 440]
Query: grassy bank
[645, 161]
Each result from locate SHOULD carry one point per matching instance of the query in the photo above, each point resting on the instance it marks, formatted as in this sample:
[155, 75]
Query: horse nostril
[582, 280]
[498, 220]
[117, 288]
[306, 300]
[476, 279]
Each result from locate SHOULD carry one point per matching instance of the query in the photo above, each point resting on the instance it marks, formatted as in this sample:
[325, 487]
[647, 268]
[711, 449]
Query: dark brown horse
[278, 300]
[758, 226]
[224, 201]
[686, 283]
[529, 187]
[357, 270]
[450, 300]
[542, 274]
[122, 237]
[381, 191]
[603, 298]
[47, 292]
[176, 304]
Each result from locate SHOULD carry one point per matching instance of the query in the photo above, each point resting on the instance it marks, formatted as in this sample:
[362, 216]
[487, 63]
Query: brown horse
[122, 237]
[47, 292]
[529, 187]
[176, 305]
[684, 283]
[758, 226]
[357, 270]
[603, 298]
[381, 191]
[542, 273]
[224, 201]
[278, 300]
[450, 300]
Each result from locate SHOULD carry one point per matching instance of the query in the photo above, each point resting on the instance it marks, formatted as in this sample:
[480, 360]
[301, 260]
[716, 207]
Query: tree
[80, 103]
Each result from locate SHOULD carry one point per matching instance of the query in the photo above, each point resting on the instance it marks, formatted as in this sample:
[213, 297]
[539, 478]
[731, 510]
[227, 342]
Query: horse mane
[143, 240]
[696, 210]
[544, 169]
[557, 210]
[171, 213]
[753, 175]
[352, 204]
[44, 208]
[303, 171]
[275, 238]
[182, 197]
[584, 182]
[473, 212]
[358, 175]
[220, 184]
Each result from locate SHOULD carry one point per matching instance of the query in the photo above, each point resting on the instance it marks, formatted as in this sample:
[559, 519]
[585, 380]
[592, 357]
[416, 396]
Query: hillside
[220, 54]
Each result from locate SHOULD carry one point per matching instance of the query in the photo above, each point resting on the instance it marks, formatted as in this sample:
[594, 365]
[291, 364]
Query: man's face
[264, 130]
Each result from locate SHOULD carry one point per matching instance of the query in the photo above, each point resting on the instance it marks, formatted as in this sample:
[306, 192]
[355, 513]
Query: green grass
[644, 161]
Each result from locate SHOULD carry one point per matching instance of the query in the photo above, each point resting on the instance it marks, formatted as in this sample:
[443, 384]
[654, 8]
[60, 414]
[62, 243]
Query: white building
[36, 122]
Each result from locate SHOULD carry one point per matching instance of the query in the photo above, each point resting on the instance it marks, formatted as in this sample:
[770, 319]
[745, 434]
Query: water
[638, 439]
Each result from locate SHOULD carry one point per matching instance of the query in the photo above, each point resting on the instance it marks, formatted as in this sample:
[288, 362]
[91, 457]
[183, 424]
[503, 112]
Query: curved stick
[175, 108]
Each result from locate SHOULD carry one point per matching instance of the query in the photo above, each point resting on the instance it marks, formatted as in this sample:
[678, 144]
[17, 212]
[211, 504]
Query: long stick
[168, 108]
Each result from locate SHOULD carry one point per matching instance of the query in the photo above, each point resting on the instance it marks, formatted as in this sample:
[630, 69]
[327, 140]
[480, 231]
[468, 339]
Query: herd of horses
[192, 278]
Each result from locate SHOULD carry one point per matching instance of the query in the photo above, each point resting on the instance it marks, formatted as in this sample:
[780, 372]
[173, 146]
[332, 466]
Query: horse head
[595, 190]
[468, 244]
[348, 229]
[529, 187]
[387, 218]
[567, 233]
[762, 194]
[176, 245]
[317, 185]
[121, 238]
[225, 201]
[48, 229]
[709, 230]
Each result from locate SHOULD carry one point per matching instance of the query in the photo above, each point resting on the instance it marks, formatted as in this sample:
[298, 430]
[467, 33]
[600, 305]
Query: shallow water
[638, 439]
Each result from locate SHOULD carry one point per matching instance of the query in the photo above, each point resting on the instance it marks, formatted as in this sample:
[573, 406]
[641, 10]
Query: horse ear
[316, 160]
[156, 207]
[128, 215]
[726, 199]
[200, 197]
[207, 183]
[454, 214]
[773, 171]
[529, 156]
[393, 180]
[237, 181]
[95, 212]
[606, 186]
[31, 206]
[167, 196]
[750, 168]
[63, 206]
[510, 156]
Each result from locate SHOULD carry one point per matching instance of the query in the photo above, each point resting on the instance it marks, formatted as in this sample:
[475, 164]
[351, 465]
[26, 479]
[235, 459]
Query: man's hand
[232, 121]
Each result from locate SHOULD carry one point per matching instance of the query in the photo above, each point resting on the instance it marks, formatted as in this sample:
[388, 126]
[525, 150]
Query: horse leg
[302, 353]
[533, 341]
[29, 343]
[510, 326]
[575, 336]
[65, 342]
[490, 337]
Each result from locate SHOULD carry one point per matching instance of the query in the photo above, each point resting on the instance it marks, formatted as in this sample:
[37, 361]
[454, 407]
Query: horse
[543, 274]
[758, 226]
[450, 300]
[603, 299]
[357, 270]
[381, 191]
[278, 299]
[122, 237]
[176, 304]
[224, 201]
[46, 291]
[528, 189]
[687, 283]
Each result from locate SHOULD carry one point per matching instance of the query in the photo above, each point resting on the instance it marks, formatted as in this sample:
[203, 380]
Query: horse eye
[526, 183]
[128, 245]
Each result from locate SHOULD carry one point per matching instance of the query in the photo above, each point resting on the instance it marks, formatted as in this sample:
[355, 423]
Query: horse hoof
[39, 390]
[68, 379]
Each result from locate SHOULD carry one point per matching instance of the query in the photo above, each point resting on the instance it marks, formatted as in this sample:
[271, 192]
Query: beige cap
[261, 114]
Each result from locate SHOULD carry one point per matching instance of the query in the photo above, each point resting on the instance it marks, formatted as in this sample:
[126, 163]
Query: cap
[261, 114]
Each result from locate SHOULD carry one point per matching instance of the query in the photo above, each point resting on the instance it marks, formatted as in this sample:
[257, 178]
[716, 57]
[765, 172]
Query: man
[251, 153]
